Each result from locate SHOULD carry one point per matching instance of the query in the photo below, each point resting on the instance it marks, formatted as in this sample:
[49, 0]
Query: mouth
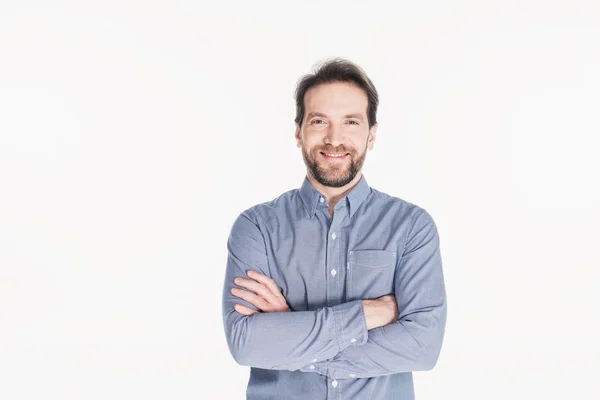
[334, 156]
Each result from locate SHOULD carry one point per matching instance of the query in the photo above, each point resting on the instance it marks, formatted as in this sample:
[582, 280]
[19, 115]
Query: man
[334, 290]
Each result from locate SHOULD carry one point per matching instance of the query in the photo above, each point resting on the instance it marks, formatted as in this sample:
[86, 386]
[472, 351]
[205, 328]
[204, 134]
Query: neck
[333, 194]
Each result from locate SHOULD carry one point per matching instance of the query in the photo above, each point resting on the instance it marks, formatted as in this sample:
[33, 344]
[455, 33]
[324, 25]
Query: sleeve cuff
[350, 324]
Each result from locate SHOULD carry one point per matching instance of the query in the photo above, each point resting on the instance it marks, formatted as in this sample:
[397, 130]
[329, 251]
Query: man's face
[335, 133]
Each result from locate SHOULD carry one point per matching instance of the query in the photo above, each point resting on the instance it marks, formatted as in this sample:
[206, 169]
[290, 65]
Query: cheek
[311, 145]
[356, 146]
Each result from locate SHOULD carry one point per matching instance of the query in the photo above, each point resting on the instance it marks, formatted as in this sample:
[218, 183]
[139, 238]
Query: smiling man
[334, 290]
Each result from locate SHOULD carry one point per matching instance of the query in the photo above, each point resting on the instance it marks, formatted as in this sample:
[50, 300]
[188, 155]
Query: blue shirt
[374, 245]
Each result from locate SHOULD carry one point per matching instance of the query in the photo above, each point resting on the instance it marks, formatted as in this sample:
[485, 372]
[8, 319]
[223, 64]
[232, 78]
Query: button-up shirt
[374, 245]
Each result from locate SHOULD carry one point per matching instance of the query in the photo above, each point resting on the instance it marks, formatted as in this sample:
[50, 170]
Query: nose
[334, 135]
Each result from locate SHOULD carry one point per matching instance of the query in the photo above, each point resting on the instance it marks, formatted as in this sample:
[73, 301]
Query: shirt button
[353, 340]
[334, 383]
[333, 272]
[321, 199]
[315, 360]
[311, 366]
[333, 236]
[351, 375]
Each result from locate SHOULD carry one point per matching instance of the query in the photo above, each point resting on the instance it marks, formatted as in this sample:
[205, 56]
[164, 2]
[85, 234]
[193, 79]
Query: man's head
[336, 123]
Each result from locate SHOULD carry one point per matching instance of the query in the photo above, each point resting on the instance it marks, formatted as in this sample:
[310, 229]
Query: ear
[371, 137]
[298, 136]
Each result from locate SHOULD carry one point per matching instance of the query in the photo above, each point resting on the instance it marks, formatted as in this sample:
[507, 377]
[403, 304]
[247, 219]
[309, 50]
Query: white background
[133, 133]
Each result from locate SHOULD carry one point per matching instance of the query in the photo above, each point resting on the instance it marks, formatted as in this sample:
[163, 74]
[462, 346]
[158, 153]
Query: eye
[352, 122]
[316, 121]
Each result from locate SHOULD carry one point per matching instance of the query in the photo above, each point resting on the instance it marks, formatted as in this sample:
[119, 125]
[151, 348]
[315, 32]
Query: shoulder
[262, 213]
[416, 223]
[398, 207]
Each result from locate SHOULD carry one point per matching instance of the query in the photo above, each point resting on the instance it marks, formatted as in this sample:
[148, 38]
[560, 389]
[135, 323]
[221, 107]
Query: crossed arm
[334, 341]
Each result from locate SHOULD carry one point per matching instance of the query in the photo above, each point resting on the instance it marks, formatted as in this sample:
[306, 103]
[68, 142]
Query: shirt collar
[310, 196]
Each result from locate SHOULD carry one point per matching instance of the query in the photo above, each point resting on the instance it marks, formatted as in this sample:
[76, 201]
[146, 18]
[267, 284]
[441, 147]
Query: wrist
[369, 314]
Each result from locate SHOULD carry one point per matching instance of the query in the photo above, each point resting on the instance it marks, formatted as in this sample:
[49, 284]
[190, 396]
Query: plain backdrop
[132, 134]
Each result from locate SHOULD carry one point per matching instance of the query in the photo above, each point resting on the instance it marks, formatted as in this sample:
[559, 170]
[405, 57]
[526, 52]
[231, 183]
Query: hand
[381, 311]
[266, 297]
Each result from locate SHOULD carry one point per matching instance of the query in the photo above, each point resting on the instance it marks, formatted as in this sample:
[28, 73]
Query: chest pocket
[370, 274]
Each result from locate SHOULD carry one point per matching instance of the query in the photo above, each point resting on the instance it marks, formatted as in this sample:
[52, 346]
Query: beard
[333, 174]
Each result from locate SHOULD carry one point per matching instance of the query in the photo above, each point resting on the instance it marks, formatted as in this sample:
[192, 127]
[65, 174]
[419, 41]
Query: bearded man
[334, 290]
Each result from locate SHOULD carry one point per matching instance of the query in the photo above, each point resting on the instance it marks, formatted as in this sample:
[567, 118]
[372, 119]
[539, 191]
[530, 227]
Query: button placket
[332, 265]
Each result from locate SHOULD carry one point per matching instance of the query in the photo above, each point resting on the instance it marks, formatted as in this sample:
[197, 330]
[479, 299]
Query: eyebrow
[318, 114]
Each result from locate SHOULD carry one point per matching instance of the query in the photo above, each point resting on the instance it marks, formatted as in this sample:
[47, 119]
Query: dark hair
[337, 70]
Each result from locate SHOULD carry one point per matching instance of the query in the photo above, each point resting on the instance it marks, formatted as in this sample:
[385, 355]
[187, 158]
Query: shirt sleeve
[413, 342]
[280, 340]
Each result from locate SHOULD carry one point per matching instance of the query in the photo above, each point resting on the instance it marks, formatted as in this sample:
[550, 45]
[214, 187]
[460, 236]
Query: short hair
[337, 70]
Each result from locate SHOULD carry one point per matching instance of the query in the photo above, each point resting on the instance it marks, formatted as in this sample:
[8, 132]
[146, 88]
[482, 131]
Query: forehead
[336, 98]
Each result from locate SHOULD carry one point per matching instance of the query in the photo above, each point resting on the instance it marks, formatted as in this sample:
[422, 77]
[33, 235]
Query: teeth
[334, 155]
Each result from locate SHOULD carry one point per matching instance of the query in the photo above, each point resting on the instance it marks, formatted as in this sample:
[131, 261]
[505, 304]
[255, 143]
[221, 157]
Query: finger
[250, 297]
[245, 310]
[256, 287]
[268, 282]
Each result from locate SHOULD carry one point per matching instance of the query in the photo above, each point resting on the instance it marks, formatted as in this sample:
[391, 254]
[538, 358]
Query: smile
[334, 155]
